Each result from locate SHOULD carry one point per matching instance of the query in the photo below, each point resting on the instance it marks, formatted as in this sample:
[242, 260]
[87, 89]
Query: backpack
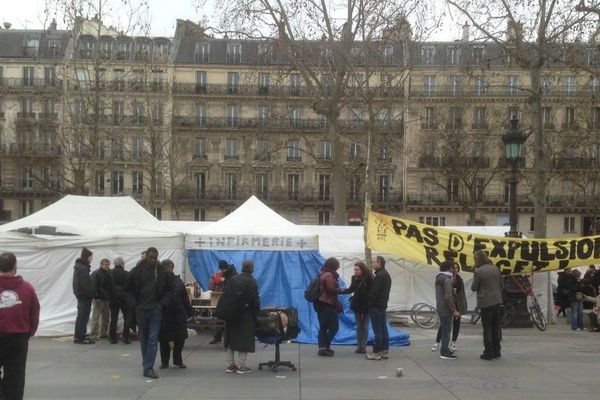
[231, 303]
[313, 291]
[293, 328]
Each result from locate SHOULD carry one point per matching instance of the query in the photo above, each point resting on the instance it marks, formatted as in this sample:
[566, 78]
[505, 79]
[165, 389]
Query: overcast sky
[29, 14]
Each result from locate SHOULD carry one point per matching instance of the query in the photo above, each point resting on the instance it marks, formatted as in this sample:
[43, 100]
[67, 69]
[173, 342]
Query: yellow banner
[432, 244]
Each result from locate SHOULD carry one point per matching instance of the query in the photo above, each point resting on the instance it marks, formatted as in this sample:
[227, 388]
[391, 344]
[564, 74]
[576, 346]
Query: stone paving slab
[556, 364]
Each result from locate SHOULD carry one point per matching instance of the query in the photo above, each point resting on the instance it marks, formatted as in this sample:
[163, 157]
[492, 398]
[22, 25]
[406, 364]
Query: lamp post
[513, 141]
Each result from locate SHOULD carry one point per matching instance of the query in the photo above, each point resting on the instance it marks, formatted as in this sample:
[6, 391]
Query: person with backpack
[239, 307]
[360, 285]
[328, 306]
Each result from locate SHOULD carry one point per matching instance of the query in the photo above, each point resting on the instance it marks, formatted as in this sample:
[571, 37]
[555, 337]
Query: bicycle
[424, 315]
[533, 306]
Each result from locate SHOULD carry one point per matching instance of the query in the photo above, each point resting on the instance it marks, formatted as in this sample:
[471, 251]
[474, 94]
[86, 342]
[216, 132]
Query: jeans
[13, 359]
[165, 351]
[362, 329]
[83, 316]
[148, 327]
[115, 306]
[100, 314]
[328, 324]
[379, 324]
[490, 320]
[577, 315]
[455, 331]
[445, 329]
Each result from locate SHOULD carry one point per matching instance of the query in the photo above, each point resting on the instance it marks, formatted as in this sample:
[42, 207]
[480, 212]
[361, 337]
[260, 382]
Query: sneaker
[373, 356]
[434, 347]
[448, 356]
[84, 341]
[163, 366]
[385, 355]
[486, 357]
[182, 366]
[243, 370]
[358, 350]
[452, 347]
[231, 368]
[325, 353]
[149, 373]
[330, 351]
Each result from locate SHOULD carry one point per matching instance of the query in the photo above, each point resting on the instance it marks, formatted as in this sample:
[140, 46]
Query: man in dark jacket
[445, 306]
[239, 333]
[147, 293]
[82, 289]
[19, 318]
[562, 291]
[379, 295]
[174, 322]
[101, 289]
[118, 280]
[488, 283]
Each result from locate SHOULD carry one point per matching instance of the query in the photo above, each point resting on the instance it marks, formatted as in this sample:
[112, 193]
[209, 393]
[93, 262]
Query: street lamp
[513, 141]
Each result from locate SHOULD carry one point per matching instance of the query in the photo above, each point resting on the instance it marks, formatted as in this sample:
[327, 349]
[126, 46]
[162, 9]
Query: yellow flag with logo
[433, 244]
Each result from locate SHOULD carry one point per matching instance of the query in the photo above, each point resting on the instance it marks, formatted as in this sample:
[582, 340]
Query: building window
[383, 188]
[324, 187]
[354, 151]
[480, 85]
[116, 149]
[429, 85]
[200, 148]
[388, 54]
[232, 147]
[569, 117]
[569, 85]
[28, 77]
[26, 207]
[453, 55]
[293, 186]
[455, 118]
[547, 118]
[158, 185]
[26, 106]
[201, 115]
[294, 150]
[157, 212]
[323, 217]
[265, 52]
[454, 83]
[531, 224]
[156, 113]
[478, 54]
[264, 81]
[231, 181]
[263, 149]
[50, 76]
[480, 118]
[117, 183]
[262, 186]
[294, 113]
[428, 55]
[200, 182]
[569, 225]
[264, 113]
[512, 85]
[233, 80]
[294, 216]
[232, 115]
[452, 189]
[202, 52]
[137, 147]
[234, 53]
[325, 150]
[137, 182]
[545, 84]
[201, 82]
[295, 83]
[433, 221]
[354, 192]
[199, 214]
[32, 46]
[429, 122]
[137, 111]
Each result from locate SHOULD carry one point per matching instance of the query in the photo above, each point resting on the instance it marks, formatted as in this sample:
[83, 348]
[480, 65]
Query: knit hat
[85, 253]
[119, 261]
[223, 264]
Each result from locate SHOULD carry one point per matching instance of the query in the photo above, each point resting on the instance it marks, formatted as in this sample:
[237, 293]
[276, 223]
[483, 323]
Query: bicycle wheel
[508, 314]
[536, 314]
[413, 310]
[425, 316]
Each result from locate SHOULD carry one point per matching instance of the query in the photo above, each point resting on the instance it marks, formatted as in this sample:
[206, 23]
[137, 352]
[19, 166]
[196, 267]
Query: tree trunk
[369, 173]
[339, 175]
[539, 151]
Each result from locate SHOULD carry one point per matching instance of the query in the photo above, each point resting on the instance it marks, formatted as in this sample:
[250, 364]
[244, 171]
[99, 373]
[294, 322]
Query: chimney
[52, 26]
[7, 25]
[465, 32]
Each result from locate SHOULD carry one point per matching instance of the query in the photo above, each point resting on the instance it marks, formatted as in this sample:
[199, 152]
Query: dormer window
[326, 55]
[161, 50]
[123, 49]
[53, 48]
[265, 52]
[86, 47]
[453, 55]
[105, 49]
[234, 53]
[202, 52]
[388, 55]
[32, 46]
[427, 55]
[141, 50]
[478, 54]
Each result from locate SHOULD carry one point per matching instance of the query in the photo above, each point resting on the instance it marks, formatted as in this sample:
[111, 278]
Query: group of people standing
[573, 291]
[369, 304]
[451, 304]
[150, 295]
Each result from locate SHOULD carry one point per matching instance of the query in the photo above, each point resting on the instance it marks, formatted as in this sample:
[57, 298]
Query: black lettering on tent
[562, 252]
[520, 266]
[413, 231]
[455, 242]
[431, 255]
[530, 250]
[585, 249]
[539, 265]
[398, 226]
[498, 250]
[431, 236]
[573, 250]
[221, 241]
[597, 247]
[464, 264]
[480, 243]
[545, 254]
[563, 264]
[513, 245]
[504, 266]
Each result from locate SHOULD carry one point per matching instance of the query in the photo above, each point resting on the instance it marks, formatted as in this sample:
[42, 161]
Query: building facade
[192, 125]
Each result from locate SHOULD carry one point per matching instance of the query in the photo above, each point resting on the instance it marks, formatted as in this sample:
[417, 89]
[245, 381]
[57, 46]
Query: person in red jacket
[328, 306]
[19, 318]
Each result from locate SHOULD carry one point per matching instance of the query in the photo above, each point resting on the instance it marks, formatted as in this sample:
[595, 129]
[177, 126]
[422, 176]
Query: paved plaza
[556, 364]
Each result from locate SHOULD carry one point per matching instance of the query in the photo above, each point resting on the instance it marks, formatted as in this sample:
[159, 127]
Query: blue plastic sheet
[282, 277]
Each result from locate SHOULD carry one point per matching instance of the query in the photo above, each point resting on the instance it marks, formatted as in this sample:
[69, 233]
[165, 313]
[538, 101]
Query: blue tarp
[282, 277]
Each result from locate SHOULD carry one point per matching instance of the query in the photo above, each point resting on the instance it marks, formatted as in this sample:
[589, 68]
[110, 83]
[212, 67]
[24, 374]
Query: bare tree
[532, 34]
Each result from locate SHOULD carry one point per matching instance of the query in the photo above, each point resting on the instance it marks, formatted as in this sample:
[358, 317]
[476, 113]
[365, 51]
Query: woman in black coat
[360, 285]
[174, 322]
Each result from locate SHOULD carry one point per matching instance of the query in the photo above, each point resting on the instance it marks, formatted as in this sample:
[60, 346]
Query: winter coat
[562, 290]
[488, 283]
[329, 290]
[133, 287]
[176, 314]
[574, 288]
[459, 294]
[359, 302]
[101, 284]
[19, 306]
[445, 303]
[118, 281]
[82, 283]
[239, 333]
[379, 294]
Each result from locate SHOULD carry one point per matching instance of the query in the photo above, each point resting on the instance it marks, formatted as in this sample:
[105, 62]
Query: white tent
[110, 227]
[412, 282]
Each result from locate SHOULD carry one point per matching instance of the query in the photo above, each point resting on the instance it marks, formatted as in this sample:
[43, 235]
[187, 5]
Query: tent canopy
[91, 216]
[252, 226]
